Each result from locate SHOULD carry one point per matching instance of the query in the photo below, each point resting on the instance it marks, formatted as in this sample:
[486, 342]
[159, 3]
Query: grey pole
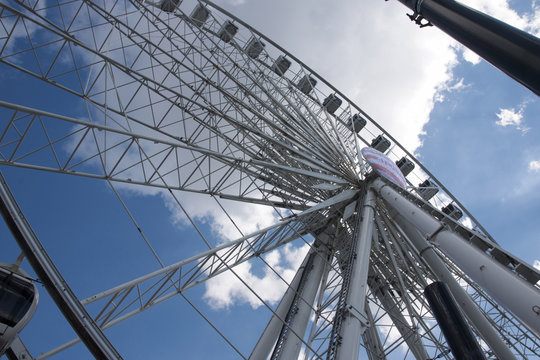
[298, 317]
[408, 216]
[268, 338]
[355, 321]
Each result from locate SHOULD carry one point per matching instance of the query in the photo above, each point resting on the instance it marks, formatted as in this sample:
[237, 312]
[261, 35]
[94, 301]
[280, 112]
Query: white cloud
[534, 166]
[528, 181]
[511, 117]
[501, 10]
[226, 290]
[247, 217]
[392, 72]
[471, 57]
[467, 222]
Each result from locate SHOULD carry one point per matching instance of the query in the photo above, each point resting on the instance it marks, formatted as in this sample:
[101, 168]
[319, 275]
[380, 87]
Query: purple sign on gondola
[384, 166]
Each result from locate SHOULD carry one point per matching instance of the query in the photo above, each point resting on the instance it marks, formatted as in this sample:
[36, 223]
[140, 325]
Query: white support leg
[268, 339]
[355, 321]
[416, 223]
[513, 293]
[303, 304]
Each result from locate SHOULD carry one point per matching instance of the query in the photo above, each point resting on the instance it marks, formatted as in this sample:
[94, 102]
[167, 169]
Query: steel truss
[158, 100]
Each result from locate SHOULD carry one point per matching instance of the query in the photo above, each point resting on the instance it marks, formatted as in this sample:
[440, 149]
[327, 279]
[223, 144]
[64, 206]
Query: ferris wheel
[179, 104]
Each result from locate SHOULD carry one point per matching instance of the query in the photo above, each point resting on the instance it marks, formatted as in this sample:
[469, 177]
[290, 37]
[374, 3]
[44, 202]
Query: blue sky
[475, 129]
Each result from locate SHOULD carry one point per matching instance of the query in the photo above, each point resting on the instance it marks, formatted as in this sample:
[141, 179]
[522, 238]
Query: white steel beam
[66, 300]
[301, 307]
[510, 291]
[416, 224]
[268, 338]
[372, 340]
[355, 320]
[513, 293]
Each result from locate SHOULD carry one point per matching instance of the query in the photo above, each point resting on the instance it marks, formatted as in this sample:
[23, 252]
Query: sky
[474, 128]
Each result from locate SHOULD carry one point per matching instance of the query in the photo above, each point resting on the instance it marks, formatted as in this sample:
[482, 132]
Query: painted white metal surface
[355, 321]
[418, 225]
[266, 342]
[293, 344]
[517, 296]
[469, 307]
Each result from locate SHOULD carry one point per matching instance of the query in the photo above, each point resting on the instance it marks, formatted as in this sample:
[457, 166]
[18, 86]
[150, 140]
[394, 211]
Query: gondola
[18, 302]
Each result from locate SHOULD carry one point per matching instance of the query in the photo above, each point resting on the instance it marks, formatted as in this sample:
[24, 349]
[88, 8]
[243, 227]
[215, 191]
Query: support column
[513, 293]
[290, 341]
[452, 323]
[355, 321]
[268, 338]
[411, 218]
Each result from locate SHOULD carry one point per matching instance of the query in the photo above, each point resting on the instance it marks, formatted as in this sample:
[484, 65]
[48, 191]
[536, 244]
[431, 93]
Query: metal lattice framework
[187, 98]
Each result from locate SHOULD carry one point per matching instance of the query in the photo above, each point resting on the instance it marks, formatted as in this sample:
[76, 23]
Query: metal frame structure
[163, 100]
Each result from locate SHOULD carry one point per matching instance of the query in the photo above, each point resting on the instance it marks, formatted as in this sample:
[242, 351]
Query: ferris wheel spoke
[118, 163]
[210, 263]
[275, 101]
[116, 86]
[131, 298]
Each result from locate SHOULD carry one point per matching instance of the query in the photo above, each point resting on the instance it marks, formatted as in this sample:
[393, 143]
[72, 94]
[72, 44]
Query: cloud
[467, 222]
[371, 52]
[511, 117]
[228, 223]
[528, 181]
[226, 290]
[534, 166]
[470, 56]
[501, 10]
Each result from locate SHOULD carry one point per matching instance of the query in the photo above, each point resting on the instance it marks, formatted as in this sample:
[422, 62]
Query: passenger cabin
[405, 165]
[453, 211]
[427, 190]
[199, 15]
[380, 143]
[356, 123]
[306, 84]
[281, 65]
[169, 5]
[227, 31]
[254, 47]
[18, 302]
[332, 103]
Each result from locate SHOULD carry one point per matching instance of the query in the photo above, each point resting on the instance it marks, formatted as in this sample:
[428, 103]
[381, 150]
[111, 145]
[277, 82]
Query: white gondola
[18, 302]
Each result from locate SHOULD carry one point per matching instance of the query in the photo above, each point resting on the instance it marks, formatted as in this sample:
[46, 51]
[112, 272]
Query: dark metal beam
[513, 51]
[60, 292]
[452, 322]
